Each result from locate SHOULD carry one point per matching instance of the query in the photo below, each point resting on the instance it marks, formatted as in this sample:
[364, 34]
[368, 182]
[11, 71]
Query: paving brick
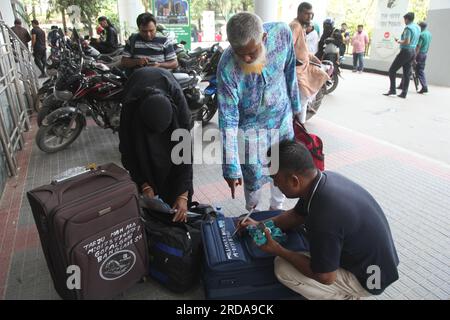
[413, 193]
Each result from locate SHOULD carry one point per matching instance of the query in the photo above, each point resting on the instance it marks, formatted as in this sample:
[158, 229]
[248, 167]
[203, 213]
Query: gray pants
[346, 286]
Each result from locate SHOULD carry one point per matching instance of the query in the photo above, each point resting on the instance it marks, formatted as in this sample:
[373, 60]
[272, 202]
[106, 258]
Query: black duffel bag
[175, 251]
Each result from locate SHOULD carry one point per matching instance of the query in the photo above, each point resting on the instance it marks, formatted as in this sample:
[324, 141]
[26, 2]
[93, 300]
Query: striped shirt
[157, 50]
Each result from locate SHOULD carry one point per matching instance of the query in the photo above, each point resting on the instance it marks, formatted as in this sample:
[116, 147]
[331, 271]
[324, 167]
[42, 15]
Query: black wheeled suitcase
[91, 232]
[234, 267]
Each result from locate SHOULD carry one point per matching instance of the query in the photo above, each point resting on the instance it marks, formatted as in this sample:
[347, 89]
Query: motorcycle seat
[197, 52]
[104, 58]
[187, 62]
[183, 79]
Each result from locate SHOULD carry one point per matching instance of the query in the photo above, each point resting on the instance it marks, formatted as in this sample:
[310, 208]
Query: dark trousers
[358, 58]
[104, 47]
[421, 60]
[40, 58]
[403, 60]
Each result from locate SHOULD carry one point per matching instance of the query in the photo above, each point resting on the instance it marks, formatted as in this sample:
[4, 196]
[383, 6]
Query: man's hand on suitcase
[271, 245]
[180, 207]
[233, 183]
[242, 225]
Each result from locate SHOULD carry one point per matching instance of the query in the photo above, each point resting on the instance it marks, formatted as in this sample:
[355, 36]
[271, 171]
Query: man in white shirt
[312, 39]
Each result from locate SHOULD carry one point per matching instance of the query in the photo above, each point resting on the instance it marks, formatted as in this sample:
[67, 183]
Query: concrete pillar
[267, 10]
[6, 12]
[128, 11]
[438, 64]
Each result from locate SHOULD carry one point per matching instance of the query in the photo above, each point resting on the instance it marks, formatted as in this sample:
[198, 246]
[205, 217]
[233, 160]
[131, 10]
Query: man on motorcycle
[328, 28]
[147, 48]
[53, 37]
[111, 42]
[310, 78]
[333, 47]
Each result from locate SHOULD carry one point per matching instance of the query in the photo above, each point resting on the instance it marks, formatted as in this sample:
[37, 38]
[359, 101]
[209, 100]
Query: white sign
[209, 26]
[388, 26]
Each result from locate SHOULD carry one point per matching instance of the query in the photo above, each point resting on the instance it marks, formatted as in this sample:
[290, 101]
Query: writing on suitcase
[91, 232]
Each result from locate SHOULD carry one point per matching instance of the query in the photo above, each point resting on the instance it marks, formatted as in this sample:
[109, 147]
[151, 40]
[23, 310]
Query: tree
[89, 10]
[420, 8]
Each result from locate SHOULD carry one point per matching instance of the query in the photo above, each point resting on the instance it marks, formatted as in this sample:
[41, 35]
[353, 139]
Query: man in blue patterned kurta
[257, 89]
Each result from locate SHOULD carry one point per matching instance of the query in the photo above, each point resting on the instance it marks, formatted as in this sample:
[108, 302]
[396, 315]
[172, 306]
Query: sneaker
[360, 72]
[354, 71]
[390, 93]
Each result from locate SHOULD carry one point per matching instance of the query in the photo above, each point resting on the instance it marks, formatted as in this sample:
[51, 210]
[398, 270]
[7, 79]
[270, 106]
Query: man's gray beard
[262, 59]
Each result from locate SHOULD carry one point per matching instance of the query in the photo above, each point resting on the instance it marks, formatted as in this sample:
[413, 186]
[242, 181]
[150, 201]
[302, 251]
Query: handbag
[312, 142]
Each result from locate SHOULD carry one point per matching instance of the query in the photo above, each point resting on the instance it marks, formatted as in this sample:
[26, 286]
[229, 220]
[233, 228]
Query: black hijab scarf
[147, 123]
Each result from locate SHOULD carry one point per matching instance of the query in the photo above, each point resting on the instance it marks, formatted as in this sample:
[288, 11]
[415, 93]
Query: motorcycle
[314, 105]
[98, 95]
[332, 84]
[203, 103]
[209, 75]
[69, 53]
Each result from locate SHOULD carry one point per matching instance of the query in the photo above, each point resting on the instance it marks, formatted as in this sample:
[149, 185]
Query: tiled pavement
[413, 191]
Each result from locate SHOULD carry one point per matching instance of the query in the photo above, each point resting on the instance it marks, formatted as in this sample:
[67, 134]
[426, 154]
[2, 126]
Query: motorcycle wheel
[46, 108]
[314, 106]
[208, 110]
[332, 84]
[58, 136]
[43, 112]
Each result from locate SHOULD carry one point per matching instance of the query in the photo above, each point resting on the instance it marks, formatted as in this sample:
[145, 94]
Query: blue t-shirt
[347, 229]
[411, 32]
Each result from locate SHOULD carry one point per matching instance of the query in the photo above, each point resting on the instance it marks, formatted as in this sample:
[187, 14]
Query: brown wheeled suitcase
[91, 232]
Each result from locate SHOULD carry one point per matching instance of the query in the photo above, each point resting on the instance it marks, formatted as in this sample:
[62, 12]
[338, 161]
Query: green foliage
[109, 9]
[355, 12]
[420, 8]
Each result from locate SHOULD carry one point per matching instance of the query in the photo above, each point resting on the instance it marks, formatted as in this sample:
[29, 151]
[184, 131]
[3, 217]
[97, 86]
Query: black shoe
[402, 95]
[423, 90]
[390, 93]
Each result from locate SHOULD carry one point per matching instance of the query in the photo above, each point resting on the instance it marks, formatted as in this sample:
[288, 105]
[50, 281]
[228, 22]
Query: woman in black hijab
[154, 107]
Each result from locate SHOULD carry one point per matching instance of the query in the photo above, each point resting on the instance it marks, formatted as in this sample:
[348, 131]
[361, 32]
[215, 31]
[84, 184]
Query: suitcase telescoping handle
[91, 176]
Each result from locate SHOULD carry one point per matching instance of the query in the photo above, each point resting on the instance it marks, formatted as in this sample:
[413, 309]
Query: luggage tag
[73, 172]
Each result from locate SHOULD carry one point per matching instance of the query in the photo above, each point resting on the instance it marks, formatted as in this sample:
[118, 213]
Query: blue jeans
[421, 61]
[358, 58]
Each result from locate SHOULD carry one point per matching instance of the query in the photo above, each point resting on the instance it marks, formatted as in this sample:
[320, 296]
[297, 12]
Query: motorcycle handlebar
[114, 82]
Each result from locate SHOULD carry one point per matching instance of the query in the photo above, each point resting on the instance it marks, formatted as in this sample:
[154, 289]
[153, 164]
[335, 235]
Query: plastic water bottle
[219, 212]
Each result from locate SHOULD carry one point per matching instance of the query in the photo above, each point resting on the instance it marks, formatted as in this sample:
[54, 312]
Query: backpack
[312, 142]
[175, 251]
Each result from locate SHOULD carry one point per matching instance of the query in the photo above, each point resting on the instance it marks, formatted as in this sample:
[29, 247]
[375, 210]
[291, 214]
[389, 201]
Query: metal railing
[18, 94]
